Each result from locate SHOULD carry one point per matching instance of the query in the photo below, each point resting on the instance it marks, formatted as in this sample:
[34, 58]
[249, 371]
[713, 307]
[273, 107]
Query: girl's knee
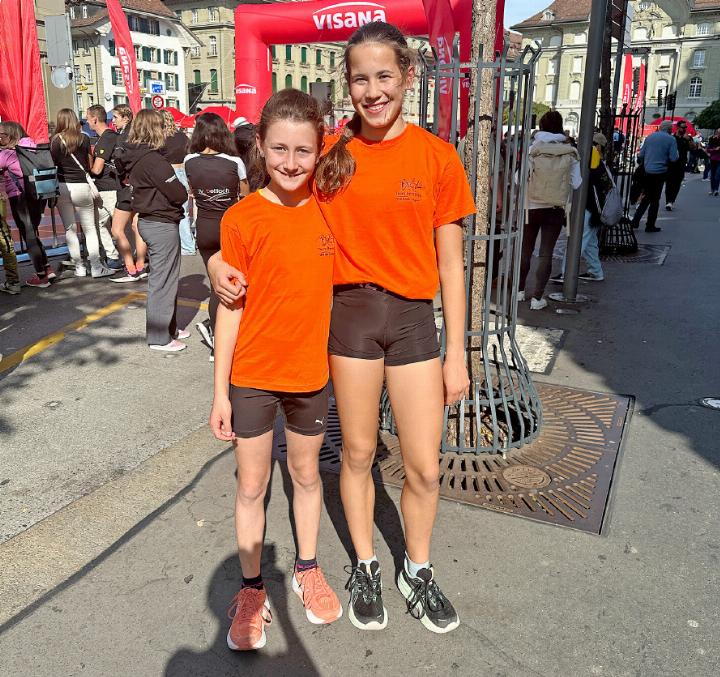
[358, 456]
[423, 480]
[306, 476]
[251, 490]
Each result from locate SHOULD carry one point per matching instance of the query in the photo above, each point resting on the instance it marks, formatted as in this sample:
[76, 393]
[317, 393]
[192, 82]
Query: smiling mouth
[376, 107]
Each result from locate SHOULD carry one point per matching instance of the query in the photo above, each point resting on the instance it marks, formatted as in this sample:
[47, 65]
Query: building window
[662, 87]
[318, 57]
[332, 59]
[548, 15]
[644, 5]
[212, 50]
[555, 41]
[119, 100]
[213, 80]
[116, 75]
[193, 16]
[304, 84]
[288, 81]
[136, 48]
[574, 91]
[640, 33]
[83, 11]
[695, 88]
[552, 67]
[145, 51]
[664, 61]
[170, 82]
[88, 73]
[550, 93]
[76, 74]
[196, 77]
[195, 51]
[703, 29]
[577, 64]
[91, 100]
[274, 82]
[111, 47]
[303, 55]
[698, 58]
[86, 46]
[288, 52]
[72, 12]
[273, 53]
[213, 14]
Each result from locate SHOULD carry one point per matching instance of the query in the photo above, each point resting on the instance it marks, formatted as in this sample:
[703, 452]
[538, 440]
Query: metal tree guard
[503, 411]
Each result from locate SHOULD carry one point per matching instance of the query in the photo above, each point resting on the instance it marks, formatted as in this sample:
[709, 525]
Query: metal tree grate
[618, 239]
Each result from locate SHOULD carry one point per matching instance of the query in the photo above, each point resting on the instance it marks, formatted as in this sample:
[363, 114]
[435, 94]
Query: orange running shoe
[250, 612]
[321, 603]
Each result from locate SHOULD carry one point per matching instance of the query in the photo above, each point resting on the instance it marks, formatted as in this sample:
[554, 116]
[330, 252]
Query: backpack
[39, 171]
[612, 209]
[550, 167]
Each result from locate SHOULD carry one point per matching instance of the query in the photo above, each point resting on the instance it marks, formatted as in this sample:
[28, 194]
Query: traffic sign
[157, 102]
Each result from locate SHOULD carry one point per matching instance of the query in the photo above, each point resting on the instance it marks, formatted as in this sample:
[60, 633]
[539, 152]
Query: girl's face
[377, 88]
[291, 153]
[4, 137]
[119, 121]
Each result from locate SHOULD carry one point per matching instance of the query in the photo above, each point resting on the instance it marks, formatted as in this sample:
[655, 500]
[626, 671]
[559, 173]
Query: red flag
[640, 96]
[627, 81]
[126, 53]
[22, 97]
[442, 34]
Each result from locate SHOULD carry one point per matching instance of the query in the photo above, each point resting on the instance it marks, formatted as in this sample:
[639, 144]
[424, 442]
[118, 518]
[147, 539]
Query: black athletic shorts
[123, 199]
[370, 323]
[254, 411]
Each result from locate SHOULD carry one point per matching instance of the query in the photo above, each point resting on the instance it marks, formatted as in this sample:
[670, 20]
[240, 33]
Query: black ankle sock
[256, 582]
[305, 564]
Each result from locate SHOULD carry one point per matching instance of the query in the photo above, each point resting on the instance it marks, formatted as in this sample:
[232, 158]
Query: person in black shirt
[175, 150]
[217, 181]
[676, 170]
[70, 150]
[105, 174]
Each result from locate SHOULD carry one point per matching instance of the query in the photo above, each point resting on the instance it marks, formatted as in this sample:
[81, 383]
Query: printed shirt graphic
[384, 221]
[287, 255]
[215, 182]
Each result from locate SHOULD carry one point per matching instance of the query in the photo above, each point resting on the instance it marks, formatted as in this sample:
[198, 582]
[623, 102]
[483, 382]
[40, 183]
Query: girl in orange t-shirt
[394, 197]
[271, 349]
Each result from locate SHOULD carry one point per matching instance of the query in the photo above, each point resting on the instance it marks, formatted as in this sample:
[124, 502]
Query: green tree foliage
[538, 110]
[709, 118]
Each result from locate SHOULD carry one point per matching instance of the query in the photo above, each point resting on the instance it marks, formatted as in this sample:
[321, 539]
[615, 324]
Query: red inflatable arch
[259, 26]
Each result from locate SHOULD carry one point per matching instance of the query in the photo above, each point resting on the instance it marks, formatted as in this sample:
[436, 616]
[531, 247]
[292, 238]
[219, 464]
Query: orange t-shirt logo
[326, 245]
[410, 190]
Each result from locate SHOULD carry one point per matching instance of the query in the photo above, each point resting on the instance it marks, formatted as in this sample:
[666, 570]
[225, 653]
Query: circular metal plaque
[526, 476]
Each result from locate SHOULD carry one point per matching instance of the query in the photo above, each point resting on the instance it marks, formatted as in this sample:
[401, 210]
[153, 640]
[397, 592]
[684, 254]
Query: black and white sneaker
[205, 330]
[426, 602]
[366, 610]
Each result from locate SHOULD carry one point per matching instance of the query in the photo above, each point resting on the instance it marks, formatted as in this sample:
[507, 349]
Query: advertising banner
[125, 53]
[22, 96]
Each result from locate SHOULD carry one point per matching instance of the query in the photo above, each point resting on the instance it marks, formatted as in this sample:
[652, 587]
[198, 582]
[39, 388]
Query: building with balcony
[160, 41]
[679, 41]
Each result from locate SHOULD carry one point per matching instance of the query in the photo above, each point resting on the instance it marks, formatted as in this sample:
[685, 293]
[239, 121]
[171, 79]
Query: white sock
[412, 568]
[367, 562]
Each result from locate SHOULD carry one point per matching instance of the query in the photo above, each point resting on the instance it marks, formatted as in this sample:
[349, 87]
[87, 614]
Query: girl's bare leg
[120, 221]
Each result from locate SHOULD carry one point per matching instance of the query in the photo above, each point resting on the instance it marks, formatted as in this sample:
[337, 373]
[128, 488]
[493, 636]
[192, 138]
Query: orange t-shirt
[384, 221]
[287, 254]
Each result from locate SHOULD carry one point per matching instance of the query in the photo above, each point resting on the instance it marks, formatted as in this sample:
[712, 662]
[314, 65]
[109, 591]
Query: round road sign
[157, 102]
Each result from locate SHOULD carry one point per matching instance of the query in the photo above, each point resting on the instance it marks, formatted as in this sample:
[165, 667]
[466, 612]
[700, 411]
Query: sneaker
[212, 355]
[669, 206]
[36, 281]
[143, 272]
[174, 346]
[50, 273]
[366, 609]
[183, 334]
[558, 279]
[80, 270]
[205, 330]
[10, 287]
[653, 230]
[426, 602]
[101, 271]
[320, 601]
[250, 613]
[538, 304]
[124, 277]
[591, 278]
[521, 295]
[114, 264]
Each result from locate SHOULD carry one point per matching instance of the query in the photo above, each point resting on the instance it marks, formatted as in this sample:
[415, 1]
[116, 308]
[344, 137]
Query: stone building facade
[682, 45]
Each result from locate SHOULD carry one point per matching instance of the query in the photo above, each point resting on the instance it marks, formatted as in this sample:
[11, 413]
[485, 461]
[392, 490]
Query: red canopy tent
[181, 120]
[654, 125]
[229, 116]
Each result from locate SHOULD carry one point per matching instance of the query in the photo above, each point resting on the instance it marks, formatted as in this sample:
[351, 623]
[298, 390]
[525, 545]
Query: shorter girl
[157, 199]
[271, 349]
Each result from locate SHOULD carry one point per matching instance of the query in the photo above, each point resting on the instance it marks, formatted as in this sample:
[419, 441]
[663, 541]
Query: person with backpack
[27, 210]
[105, 175]
[554, 174]
[676, 170]
[70, 149]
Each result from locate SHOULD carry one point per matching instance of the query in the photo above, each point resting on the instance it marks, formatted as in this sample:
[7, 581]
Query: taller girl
[398, 195]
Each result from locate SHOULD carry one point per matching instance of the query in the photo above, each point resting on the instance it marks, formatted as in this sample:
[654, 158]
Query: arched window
[574, 91]
[555, 41]
[212, 49]
[303, 84]
[695, 88]
[288, 81]
[274, 82]
[640, 33]
[196, 77]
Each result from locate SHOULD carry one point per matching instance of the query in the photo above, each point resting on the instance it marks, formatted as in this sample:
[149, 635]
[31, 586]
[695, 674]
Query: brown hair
[211, 132]
[14, 130]
[169, 126]
[337, 166]
[67, 130]
[551, 122]
[98, 112]
[147, 128]
[287, 104]
[124, 111]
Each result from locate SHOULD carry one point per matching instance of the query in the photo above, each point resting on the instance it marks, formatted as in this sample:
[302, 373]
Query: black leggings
[27, 214]
[548, 222]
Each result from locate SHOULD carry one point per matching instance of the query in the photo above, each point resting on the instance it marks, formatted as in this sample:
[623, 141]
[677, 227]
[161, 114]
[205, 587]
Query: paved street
[116, 530]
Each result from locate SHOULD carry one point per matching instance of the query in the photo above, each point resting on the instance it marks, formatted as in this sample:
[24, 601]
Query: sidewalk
[533, 599]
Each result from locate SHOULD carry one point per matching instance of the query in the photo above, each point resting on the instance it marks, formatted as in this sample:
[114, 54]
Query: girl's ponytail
[337, 166]
[256, 170]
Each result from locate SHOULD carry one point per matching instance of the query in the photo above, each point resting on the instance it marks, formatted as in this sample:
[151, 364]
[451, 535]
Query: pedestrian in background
[11, 283]
[174, 150]
[713, 150]
[244, 136]
[157, 199]
[27, 212]
[102, 168]
[659, 150]
[676, 169]
[217, 180]
[70, 149]
[134, 261]
[554, 174]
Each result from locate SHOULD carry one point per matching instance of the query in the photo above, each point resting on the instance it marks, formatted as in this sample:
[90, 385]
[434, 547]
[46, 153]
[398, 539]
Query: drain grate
[562, 478]
[646, 253]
